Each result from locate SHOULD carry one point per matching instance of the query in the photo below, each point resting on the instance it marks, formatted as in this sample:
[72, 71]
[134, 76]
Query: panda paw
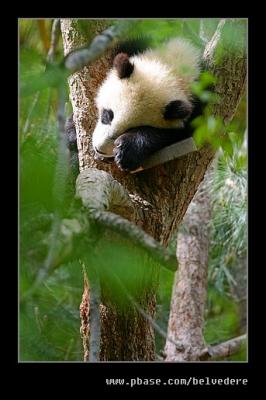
[125, 153]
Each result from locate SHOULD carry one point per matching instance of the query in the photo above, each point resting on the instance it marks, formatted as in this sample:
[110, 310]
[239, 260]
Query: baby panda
[145, 103]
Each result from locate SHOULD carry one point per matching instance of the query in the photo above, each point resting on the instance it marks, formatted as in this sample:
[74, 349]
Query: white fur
[160, 76]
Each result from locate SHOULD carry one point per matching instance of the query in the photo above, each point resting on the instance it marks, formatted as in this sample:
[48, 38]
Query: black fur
[126, 49]
[107, 117]
[177, 109]
[71, 138]
[132, 46]
[123, 66]
[135, 145]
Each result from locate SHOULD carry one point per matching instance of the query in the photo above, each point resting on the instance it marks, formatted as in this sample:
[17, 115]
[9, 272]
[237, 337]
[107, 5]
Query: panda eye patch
[177, 109]
[107, 116]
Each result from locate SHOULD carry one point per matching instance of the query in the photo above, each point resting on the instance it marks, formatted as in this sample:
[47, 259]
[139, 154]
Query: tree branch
[169, 201]
[63, 169]
[212, 45]
[84, 316]
[127, 229]
[207, 29]
[34, 103]
[54, 40]
[62, 172]
[224, 349]
[94, 315]
[78, 59]
[227, 62]
[102, 194]
[192, 35]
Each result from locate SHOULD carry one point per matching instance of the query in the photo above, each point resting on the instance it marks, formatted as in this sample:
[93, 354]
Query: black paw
[126, 154]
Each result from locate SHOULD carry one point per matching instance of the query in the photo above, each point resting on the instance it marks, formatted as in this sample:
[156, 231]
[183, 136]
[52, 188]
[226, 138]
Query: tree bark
[160, 195]
[222, 350]
[186, 319]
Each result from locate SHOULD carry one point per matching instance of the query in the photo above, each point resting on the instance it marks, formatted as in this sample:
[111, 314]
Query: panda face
[138, 91]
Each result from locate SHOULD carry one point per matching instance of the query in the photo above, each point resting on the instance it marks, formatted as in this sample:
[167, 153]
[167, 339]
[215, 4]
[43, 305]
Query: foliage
[49, 319]
[222, 316]
[228, 242]
[228, 189]
[222, 321]
[49, 312]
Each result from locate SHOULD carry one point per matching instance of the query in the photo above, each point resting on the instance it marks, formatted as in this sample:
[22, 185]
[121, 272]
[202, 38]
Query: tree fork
[186, 320]
[161, 195]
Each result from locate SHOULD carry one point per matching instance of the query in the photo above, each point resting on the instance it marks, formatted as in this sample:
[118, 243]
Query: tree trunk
[124, 336]
[186, 320]
[161, 194]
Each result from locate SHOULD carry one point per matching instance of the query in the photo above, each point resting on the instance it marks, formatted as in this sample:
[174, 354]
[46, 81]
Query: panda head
[138, 91]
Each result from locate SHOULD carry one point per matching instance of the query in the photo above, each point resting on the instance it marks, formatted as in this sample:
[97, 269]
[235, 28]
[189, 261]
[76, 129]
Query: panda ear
[123, 65]
[177, 109]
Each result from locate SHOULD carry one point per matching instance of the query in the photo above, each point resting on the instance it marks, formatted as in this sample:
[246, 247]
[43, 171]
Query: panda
[145, 102]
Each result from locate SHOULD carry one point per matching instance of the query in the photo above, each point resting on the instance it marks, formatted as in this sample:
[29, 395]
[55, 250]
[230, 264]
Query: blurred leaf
[37, 167]
[133, 267]
[222, 321]
[54, 77]
[49, 316]
[233, 40]
[49, 321]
